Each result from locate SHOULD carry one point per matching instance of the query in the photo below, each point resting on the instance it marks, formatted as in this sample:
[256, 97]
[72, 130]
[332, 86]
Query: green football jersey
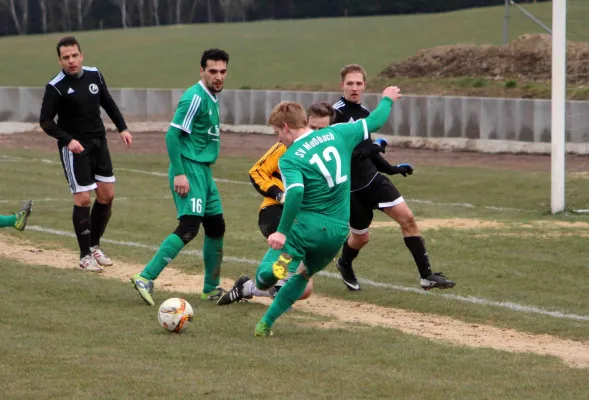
[319, 161]
[197, 116]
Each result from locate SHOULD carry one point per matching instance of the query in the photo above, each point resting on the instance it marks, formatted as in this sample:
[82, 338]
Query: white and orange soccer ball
[175, 314]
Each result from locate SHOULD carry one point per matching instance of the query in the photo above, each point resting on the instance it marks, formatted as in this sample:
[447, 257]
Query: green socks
[7, 220]
[213, 257]
[212, 254]
[292, 290]
[166, 253]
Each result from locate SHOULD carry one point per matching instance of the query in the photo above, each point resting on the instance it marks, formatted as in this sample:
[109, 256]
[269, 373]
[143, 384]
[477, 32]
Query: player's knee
[214, 226]
[360, 239]
[82, 199]
[407, 220]
[106, 198]
[188, 228]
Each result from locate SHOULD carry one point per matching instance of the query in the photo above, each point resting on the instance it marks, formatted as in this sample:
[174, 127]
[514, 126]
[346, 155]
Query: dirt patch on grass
[452, 223]
[435, 327]
[544, 228]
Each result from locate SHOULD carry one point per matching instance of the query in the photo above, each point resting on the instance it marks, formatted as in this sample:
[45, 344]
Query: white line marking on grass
[166, 175]
[466, 299]
[69, 199]
[197, 253]
[222, 180]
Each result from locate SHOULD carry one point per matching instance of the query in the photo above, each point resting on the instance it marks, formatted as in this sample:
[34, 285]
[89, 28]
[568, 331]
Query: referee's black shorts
[379, 194]
[269, 218]
[83, 170]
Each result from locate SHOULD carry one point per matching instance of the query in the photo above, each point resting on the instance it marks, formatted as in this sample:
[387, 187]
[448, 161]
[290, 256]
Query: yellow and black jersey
[265, 175]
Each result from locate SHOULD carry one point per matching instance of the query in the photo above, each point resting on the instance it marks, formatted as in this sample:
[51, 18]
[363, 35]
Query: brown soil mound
[528, 58]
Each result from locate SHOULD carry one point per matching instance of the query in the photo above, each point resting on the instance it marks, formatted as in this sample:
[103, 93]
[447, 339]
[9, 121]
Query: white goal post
[559, 75]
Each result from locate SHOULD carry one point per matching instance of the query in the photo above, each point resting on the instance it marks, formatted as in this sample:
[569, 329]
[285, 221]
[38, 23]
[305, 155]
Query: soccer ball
[175, 314]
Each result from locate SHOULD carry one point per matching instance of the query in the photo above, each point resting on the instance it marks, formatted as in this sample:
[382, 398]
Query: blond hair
[290, 113]
[348, 69]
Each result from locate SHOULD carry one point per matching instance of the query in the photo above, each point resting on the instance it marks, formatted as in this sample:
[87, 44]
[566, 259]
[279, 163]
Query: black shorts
[83, 170]
[379, 194]
[269, 219]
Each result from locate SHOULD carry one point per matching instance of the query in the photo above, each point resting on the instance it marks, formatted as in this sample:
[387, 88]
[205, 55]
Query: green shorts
[203, 199]
[313, 239]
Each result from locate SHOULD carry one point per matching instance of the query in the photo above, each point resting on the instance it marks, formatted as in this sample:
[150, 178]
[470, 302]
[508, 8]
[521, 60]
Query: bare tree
[155, 11]
[82, 9]
[178, 9]
[43, 9]
[65, 19]
[209, 12]
[122, 4]
[226, 7]
[140, 8]
[242, 7]
[235, 9]
[19, 11]
[192, 10]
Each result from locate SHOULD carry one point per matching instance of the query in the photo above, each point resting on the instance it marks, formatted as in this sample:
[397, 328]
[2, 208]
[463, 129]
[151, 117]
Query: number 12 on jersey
[327, 156]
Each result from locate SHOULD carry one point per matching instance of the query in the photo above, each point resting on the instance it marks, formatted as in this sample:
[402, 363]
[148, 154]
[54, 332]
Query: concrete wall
[521, 120]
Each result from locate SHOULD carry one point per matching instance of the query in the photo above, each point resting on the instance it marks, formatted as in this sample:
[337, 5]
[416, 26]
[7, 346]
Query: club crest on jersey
[93, 88]
[214, 130]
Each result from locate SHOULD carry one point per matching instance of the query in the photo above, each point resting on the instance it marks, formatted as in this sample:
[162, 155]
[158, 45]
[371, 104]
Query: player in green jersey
[19, 219]
[316, 173]
[193, 146]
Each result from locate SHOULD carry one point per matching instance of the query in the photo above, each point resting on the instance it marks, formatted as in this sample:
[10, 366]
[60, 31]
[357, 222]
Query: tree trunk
[156, 12]
[192, 10]
[141, 13]
[226, 7]
[25, 16]
[12, 7]
[123, 7]
[66, 16]
[178, 9]
[43, 16]
[170, 12]
[79, 15]
[209, 12]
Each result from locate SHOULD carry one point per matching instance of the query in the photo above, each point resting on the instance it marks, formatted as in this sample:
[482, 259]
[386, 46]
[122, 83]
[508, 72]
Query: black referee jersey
[76, 100]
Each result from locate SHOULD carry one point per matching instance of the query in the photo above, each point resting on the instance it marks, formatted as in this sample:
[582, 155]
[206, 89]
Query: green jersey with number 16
[197, 116]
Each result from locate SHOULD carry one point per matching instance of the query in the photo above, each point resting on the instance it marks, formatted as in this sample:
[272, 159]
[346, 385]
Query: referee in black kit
[75, 95]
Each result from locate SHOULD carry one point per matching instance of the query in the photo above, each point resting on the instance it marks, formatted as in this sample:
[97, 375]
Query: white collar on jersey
[207, 90]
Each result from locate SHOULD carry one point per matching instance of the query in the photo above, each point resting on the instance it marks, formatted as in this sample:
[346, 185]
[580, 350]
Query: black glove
[403, 169]
[280, 197]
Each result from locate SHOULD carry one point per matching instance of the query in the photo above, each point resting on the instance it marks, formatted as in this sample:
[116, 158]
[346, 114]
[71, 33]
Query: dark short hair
[214, 55]
[321, 109]
[67, 41]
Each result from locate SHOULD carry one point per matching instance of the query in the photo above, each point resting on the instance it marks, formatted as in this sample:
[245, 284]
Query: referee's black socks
[81, 220]
[100, 216]
[416, 246]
